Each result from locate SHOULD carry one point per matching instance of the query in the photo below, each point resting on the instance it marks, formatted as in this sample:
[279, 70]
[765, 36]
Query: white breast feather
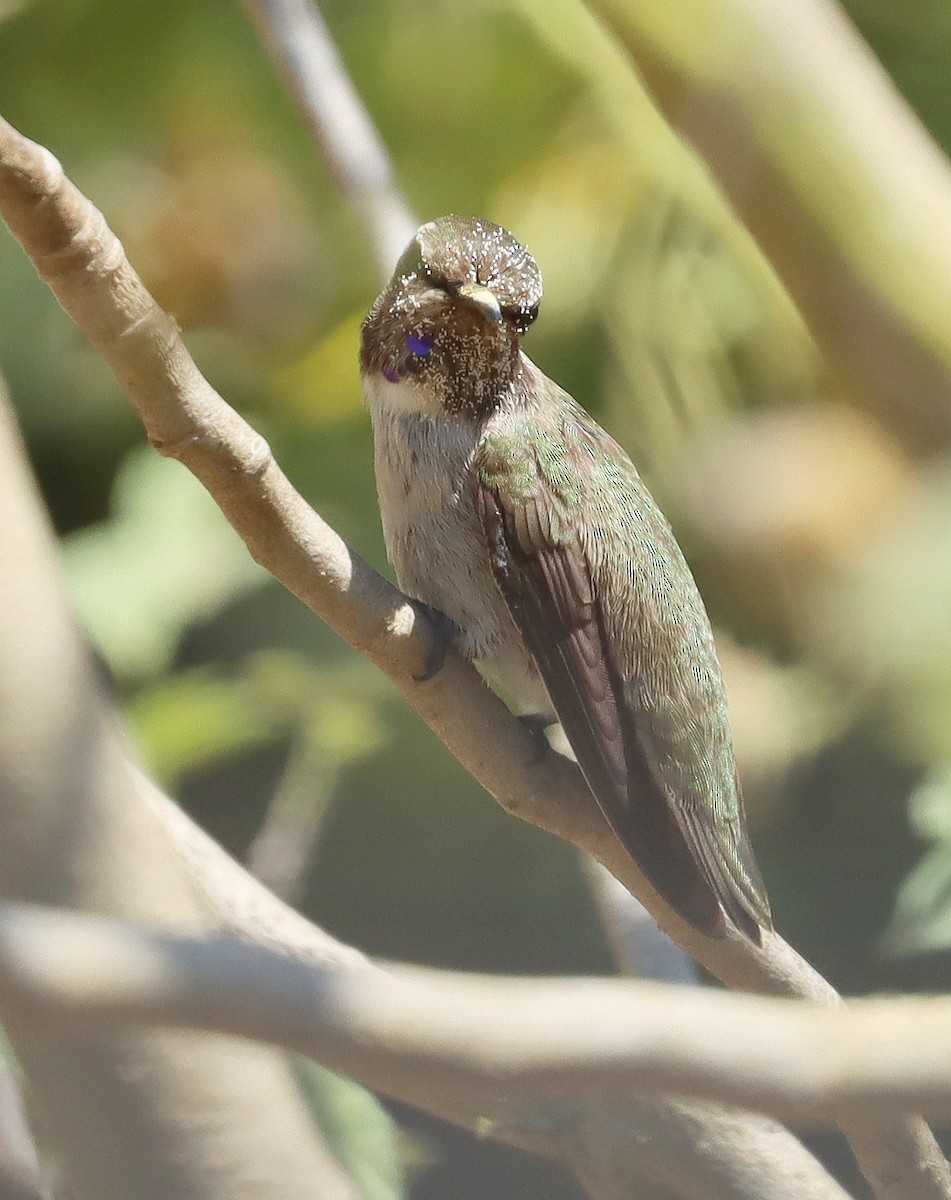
[424, 473]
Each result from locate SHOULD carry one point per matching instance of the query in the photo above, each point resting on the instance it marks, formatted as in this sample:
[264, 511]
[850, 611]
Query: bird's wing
[691, 847]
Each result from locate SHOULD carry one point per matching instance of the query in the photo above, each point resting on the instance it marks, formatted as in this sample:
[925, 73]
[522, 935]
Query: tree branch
[469, 1039]
[308, 61]
[141, 1115]
[843, 188]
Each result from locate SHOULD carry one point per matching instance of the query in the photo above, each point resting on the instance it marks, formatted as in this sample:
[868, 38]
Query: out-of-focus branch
[82, 261]
[469, 1039]
[842, 187]
[640, 949]
[315, 76]
[694, 1147]
[287, 839]
[20, 1173]
[678, 1148]
[147, 1114]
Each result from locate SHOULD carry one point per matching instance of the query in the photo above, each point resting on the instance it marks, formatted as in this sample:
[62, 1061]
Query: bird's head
[450, 320]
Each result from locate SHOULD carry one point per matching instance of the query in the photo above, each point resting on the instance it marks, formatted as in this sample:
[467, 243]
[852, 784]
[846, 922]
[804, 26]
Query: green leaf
[322, 387]
[165, 559]
[196, 716]
[360, 1131]
[922, 918]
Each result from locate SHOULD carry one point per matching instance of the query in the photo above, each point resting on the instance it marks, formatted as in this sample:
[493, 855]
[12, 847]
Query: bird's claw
[444, 632]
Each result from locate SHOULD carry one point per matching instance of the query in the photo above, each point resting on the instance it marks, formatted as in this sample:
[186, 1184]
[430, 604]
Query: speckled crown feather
[458, 250]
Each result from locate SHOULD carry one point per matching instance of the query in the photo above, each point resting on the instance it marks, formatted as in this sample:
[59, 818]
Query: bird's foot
[536, 724]
[443, 632]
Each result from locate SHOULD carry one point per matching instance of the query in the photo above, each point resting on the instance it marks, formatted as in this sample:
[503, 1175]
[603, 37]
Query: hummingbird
[509, 510]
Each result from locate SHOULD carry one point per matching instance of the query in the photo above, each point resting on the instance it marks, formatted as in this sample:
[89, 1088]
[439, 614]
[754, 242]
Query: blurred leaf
[358, 1128]
[338, 708]
[886, 620]
[323, 386]
[165, 559]
[9, 7]
[922, 919]
[192, 717]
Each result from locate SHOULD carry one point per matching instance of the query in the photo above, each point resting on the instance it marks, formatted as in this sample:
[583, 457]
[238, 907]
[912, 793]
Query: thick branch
[840, 184]
[470, 1039]
[139, 1115]
[601, 1142]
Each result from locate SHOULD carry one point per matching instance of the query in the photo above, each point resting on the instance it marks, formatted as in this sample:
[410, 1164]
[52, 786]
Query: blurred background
[821, 543]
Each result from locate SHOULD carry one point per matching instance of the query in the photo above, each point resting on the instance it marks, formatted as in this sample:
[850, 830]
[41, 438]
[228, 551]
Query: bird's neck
[470, 386]
[478, 383]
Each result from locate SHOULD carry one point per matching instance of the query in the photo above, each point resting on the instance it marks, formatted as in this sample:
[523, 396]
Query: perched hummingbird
[506, 507]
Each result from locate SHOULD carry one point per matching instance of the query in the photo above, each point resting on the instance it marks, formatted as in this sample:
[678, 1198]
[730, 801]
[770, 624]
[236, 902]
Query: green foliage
[165, 559]
[361, 1132]
[922, 920]
[193, 717]
[889, 617]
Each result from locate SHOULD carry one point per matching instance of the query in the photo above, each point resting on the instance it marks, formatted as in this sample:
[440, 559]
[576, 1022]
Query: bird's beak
[482, 300]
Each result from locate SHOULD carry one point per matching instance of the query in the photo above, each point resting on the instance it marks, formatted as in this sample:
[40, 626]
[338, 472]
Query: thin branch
[82, 261]
[289, 834]
[845, 191]
[315, 76]
[641, 950]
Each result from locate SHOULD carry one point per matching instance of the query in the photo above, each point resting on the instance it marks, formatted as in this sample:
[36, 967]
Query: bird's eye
[420, 346]
[435, 279]
[520, 318]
